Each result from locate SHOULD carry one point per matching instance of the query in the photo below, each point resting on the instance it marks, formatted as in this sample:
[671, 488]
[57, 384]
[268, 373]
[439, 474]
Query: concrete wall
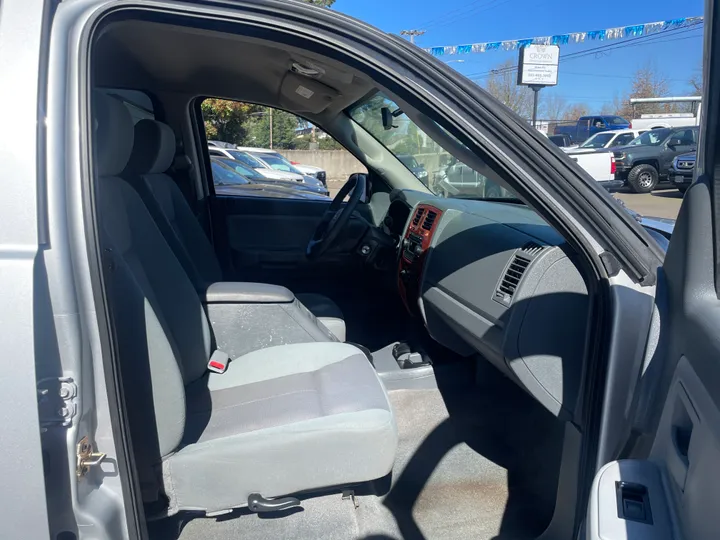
[339, 164]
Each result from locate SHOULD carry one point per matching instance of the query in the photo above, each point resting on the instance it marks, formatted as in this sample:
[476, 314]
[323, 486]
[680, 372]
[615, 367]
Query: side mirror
[675, 141]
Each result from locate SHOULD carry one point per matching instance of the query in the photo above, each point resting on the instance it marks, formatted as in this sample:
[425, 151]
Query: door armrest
[243, 292]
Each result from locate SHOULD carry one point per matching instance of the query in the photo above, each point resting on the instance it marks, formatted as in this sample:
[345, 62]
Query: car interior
[393, 364]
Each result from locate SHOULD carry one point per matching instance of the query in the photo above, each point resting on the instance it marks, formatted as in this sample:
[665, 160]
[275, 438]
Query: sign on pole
[538, 65]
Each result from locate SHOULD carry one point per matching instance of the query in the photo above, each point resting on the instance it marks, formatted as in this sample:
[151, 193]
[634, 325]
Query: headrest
[154, 148]
[113, 134]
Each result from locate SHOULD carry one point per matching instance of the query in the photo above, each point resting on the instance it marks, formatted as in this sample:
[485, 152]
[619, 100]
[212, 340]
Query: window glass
[598, 140]
[616, 121]
[653, 137]
[622, 140]
[224, 175]
[426, 156]
[284, 151]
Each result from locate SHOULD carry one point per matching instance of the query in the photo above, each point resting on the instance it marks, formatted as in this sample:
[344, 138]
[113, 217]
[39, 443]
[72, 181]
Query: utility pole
[271, 123]
[412, 33]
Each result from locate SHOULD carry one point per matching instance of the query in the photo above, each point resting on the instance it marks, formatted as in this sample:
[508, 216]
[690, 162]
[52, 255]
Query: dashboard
[495, 280]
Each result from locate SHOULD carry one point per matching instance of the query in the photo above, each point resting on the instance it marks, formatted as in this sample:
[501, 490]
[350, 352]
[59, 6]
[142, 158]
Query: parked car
[587, 126]
[665, 119]
[646, 161]
[598, 164]
[256, 178]
[455, 179]
[606, 139]
[277, 162]
[229, 182]
[418, 169]
[220, 144]
[250, 161]
[682, 171]
[307, 170]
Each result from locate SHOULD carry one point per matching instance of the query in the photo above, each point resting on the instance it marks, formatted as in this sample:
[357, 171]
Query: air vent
[531, 248]
[511, 279]
[429, 220]
[418, 216]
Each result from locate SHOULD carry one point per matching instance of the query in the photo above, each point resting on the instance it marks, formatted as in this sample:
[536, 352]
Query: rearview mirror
[387, 117]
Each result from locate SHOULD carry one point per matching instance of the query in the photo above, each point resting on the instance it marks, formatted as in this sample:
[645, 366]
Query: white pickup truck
[667, 120]
[599, 164]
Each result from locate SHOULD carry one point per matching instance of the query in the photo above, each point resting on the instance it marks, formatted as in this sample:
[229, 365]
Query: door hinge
[87, 457]
[57, 404]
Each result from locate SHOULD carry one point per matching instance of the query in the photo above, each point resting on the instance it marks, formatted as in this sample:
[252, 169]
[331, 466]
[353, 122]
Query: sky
[594, 79]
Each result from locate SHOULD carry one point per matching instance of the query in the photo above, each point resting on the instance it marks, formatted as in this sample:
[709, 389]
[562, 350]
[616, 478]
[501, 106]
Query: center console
[415, 245]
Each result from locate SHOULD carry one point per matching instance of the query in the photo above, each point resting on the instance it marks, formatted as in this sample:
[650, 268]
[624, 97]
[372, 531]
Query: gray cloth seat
[280, 420]
[152, 155]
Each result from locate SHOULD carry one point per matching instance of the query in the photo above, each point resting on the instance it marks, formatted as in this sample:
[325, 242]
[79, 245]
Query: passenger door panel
[264, 239]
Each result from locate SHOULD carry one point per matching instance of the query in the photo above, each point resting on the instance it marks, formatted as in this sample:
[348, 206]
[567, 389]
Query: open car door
[668, 484]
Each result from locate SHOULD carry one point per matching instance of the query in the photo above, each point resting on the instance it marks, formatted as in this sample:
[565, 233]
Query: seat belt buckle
[218, 362]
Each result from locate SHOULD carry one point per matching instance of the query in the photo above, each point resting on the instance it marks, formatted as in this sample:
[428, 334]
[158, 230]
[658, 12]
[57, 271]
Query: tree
[257, 129]
[576, 110]
[322, 3]
[696, 81]
[553, 107]
[502, 84]
[225, 119]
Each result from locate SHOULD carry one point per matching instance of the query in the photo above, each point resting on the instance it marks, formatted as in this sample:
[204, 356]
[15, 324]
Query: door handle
[681, 430]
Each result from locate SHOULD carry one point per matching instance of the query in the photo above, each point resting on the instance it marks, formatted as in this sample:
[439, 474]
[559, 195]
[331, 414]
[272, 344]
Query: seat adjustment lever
[257, 503]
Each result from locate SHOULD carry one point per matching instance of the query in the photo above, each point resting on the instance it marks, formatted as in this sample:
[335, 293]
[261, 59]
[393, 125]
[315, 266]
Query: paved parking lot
[661, 203]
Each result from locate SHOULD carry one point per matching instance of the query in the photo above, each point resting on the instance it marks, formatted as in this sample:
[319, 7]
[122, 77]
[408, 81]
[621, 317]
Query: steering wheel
[336, 216]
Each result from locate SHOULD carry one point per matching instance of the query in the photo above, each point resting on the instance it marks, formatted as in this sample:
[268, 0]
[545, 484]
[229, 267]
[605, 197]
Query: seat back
[151, 157]
[162, 332]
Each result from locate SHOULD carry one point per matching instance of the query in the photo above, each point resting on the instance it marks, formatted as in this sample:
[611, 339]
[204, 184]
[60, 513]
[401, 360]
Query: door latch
[86, 457]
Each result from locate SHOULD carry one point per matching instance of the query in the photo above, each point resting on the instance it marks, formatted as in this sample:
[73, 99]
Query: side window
[274, 152]
[622, 140]
[598, 122]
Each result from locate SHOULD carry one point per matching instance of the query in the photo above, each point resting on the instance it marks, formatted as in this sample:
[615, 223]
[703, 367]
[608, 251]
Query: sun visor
[302, 94]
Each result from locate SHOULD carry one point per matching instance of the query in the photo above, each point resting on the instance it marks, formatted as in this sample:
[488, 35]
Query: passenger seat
[152, 155]
[281, 420]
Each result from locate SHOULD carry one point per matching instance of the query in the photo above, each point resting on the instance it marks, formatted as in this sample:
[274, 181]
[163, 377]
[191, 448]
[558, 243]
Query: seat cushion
[298, 417]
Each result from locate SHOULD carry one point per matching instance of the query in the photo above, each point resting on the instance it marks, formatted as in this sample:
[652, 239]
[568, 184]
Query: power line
[451, 13]
[476, 11]
[632, 42]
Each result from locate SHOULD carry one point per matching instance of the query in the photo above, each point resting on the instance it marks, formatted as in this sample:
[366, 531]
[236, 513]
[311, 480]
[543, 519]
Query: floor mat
[473, 462]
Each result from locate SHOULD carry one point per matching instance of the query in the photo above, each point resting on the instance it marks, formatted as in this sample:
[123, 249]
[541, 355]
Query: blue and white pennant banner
[564, 39]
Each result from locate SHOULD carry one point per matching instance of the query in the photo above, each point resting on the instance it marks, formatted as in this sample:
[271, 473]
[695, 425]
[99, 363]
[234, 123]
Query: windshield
[278, 163]
[223, 175]
[427, 159]
[599, 140]
[409, 161]
[651, 138]
[616, 121]
[247, 159]
[239, 168]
